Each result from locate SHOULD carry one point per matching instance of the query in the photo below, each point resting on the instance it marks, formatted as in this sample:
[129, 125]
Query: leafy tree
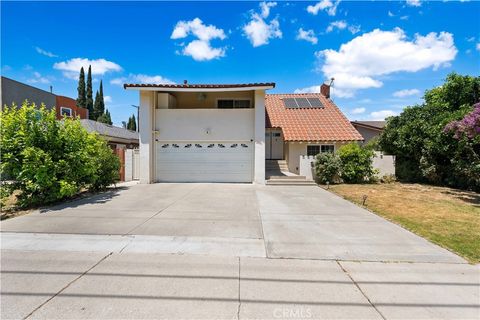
[49, 160]
[425, 152]
[327, 168]
[89, 95]
[356, 163]
[81, 99]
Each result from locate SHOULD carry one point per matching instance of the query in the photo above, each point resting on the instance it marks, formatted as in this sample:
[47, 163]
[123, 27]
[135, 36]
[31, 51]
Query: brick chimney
[325, 90]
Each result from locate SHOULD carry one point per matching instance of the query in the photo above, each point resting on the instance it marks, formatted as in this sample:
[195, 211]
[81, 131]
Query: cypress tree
[89, 102]
[81, 99]
[96, 107]
[102, 102]
[134, 123]
[108, 117]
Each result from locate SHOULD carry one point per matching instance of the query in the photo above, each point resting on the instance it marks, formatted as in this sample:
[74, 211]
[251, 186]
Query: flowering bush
[469, 126]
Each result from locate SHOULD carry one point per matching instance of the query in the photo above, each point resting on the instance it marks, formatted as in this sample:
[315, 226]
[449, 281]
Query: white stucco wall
[384, 163]
[146, 136]
[204, 124]
[259, 164]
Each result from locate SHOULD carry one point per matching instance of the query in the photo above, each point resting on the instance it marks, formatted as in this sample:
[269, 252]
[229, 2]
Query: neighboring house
[116, 137]
[304, 124]
[217, 132]
[17, 92]
[66, 106]
[369, 129]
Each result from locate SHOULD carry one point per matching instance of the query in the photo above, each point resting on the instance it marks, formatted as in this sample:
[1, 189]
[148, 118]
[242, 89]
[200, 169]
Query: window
[313, 150]
[233, 104]
[327, 148]
[65, 112]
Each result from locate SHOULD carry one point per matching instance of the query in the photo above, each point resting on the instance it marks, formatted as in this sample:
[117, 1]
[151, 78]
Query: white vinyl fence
[132, 164]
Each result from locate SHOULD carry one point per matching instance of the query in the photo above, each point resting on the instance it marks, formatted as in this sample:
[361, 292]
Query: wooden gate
[121, 155]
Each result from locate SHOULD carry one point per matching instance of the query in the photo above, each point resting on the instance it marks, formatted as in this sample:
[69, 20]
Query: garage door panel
[204, 162]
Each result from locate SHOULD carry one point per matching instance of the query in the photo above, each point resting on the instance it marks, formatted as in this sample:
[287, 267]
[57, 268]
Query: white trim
[66, 108]
[160, 89]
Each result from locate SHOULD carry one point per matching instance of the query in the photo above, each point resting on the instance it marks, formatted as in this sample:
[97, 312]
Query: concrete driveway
[226, 251]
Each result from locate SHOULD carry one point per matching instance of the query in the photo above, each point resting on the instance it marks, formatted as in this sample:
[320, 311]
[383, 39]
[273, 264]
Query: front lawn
[445, 216]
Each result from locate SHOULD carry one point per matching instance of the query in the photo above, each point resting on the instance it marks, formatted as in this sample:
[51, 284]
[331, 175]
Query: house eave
[236, 89]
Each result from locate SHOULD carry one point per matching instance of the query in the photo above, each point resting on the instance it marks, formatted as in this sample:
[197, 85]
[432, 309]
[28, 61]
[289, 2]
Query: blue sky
[383, 55]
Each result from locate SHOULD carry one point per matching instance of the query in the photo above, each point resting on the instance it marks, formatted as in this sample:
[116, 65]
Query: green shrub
[48, 160]
[327, 168]
[356, 163]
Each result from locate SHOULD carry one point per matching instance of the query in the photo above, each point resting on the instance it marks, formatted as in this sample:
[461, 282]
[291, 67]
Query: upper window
[313, 150]
[233, 104]
[65, 112]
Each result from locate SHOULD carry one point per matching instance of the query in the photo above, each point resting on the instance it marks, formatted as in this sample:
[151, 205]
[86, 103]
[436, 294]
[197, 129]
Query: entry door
[273, 145]
[268, 145]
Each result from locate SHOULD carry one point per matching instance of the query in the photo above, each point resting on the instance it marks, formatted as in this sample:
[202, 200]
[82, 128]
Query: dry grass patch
[445, 216]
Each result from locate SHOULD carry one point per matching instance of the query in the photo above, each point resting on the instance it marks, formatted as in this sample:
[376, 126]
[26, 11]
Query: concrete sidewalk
[81, 285]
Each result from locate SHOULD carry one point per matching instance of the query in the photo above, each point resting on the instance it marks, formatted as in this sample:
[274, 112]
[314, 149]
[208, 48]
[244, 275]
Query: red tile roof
[309, 124]
[199, 86]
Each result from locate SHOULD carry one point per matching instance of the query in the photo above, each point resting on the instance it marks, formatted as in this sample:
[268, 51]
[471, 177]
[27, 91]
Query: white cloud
[359, 62]
[45, 52]
[354, 29]
[406, 93]
[38, 78]
[414, 3]
[71, 68]
[390, 14]
[404, 18]
[141, 78]
[197, 29]
[358, 110]
[471, 39]
[340, 25]
[330, 6]
[382, 114]
[107, 99]
[258, 31]
[478, 46]
[265, 7]
[200, 49]
[312, 89]
[307, 35]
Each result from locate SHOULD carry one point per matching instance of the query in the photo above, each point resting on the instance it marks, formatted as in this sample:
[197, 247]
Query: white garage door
[204, 162]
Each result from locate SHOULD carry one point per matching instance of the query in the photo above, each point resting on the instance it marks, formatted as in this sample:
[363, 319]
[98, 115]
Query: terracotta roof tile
[309, 124]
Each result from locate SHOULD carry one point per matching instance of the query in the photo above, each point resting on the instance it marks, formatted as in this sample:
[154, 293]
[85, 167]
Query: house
[66, 106]
[304, 124]
[123, 142]
[369, 129]
[17, 92]
[226, 132]
[116, 137]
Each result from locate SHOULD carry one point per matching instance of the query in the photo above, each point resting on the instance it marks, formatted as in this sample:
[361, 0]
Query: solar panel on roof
[315, 102]
[290, 103]
[302, 102]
